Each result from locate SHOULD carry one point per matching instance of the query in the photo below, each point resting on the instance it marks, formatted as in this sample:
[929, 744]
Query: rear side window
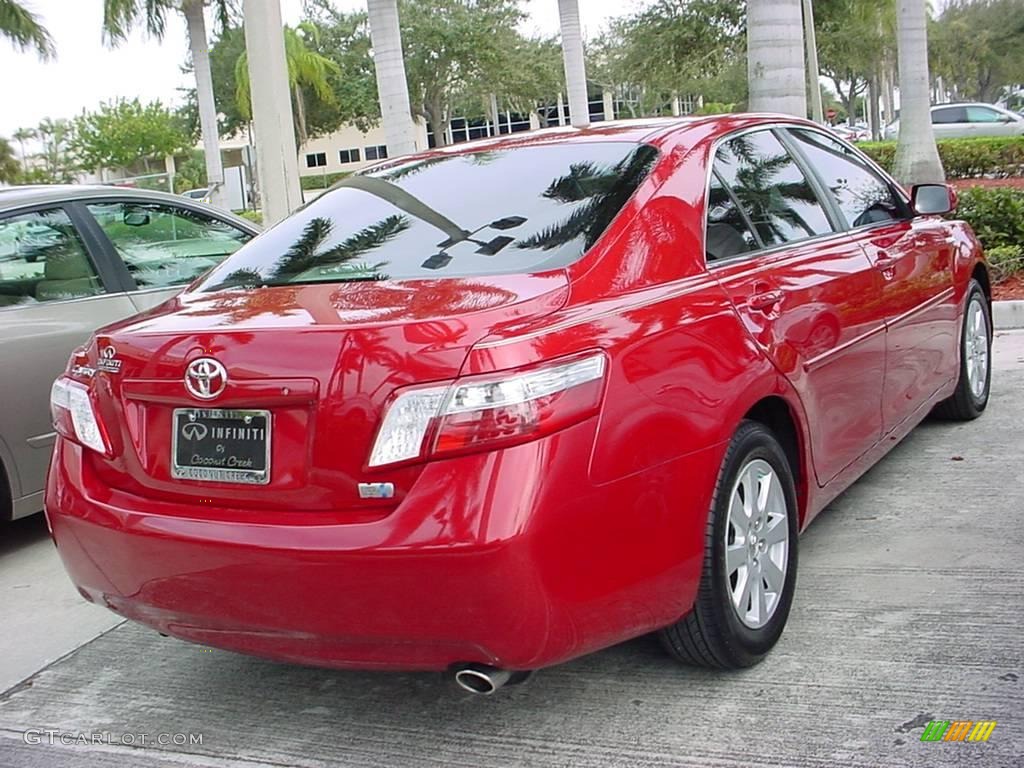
[42, 258]
[949, 115]
[517, 210]
[728, 233]
[770, 187]
[862, 195]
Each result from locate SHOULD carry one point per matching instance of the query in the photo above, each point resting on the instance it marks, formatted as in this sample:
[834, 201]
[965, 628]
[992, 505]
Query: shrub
[321, 181]
[256, 216]
[964, 158]
[995, 213]
[1006, 260]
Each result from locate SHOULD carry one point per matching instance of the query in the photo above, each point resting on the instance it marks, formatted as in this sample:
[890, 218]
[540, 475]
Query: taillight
[482, 413]
[74, 415]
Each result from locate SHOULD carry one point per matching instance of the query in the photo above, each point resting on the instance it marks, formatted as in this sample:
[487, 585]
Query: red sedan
[490, 408]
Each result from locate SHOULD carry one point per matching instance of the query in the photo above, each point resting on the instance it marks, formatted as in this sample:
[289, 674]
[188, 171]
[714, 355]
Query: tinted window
[949, 115]
[728, 233]
[43, 259]
[863, 196]
[164, 246]
[983, 115]
[524, 209]
[772, 189]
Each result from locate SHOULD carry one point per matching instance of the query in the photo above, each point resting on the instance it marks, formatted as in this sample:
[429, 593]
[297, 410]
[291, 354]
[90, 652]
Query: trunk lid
[322, 359]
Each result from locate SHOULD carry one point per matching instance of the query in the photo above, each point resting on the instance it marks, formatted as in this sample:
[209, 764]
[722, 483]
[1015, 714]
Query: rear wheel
[750, 558]
[973, 386]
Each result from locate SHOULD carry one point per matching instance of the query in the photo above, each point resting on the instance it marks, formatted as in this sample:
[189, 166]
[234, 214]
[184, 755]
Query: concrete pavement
[908, 608]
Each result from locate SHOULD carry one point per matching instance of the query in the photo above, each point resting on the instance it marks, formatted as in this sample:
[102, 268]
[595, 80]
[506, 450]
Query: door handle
[884, 261]
[765, 300]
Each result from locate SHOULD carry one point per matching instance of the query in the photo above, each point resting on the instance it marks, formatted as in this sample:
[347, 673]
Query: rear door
[913, 261]
[164, 247]
[54, 292]
[805, 291]
[950, 122]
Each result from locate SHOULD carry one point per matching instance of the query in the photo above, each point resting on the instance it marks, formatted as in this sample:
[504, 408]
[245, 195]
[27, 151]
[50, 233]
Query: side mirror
[136, 218]
[932, 199]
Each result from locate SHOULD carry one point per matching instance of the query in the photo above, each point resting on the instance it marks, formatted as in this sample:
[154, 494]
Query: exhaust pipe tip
[481, 679]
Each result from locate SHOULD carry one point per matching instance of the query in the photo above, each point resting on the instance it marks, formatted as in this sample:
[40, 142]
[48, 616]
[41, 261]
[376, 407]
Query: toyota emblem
[205, 378]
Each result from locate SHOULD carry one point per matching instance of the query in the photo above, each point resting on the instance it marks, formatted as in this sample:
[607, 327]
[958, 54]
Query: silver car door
[53, 295]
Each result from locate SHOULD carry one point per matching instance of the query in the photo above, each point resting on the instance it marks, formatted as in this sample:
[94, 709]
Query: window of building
[316, 159]
[349, 155]
[378, 152]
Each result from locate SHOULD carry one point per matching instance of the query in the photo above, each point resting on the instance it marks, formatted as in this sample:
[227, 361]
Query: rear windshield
[525, 209]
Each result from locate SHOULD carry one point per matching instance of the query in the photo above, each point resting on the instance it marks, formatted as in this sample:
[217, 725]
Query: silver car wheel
[976, 349]
[756, 543]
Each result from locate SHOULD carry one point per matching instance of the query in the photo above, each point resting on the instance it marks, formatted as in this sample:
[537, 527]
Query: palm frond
[24, 29]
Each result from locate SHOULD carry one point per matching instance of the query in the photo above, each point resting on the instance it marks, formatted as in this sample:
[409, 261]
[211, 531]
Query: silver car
[965, 121]
[72, 259]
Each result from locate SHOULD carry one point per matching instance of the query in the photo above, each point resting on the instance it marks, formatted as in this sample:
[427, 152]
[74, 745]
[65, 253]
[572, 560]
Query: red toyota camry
[490, 408]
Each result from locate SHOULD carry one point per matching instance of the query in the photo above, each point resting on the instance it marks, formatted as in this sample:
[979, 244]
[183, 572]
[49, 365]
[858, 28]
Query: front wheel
[970, 398]
[750, 558]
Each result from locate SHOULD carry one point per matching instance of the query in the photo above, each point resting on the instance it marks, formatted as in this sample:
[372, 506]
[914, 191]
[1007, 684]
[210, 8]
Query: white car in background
[965, 121]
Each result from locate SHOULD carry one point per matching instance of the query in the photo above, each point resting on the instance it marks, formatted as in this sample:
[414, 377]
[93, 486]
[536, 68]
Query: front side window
[949, 115]
[983, 115]
[42, 258]
[728, 234]
[770, 187]
[515, 210]
[862, 195]
[164, 246]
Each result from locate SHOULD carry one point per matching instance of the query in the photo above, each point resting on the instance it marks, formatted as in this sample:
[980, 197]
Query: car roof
[36, 194]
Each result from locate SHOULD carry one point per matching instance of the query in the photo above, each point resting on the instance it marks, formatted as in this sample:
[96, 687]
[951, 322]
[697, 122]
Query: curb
[1007, 315]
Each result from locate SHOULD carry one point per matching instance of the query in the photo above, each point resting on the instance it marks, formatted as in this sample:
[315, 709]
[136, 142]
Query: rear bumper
[495, 568]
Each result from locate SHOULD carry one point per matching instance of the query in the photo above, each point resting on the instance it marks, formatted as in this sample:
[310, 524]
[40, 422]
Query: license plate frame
[211, 472]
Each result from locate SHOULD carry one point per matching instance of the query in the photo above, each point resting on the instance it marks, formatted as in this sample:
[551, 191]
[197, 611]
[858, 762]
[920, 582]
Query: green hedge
[321, 181]
[996, 214]
[964, 158]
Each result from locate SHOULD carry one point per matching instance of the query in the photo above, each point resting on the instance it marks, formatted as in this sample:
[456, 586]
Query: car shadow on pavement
[21, 533]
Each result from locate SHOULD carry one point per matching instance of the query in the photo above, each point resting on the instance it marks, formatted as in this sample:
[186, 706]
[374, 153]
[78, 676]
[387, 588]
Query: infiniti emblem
[205, 378]
[193, 430]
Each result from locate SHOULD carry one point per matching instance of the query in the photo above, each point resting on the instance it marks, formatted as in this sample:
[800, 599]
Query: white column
[276, 154]
[608, 99]
[561, 109]
[392, 86]
[575, 66]
[811, 40]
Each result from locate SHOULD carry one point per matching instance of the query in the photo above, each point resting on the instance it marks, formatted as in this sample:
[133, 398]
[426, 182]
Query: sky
[87, 72]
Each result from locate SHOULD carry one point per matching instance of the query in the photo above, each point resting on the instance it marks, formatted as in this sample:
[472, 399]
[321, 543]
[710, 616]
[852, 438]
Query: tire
[970, 398]
[719, 632]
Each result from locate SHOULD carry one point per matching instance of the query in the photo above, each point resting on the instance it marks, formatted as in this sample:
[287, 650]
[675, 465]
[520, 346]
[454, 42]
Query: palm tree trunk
[193, 10]
[575, 66]
[301, 133]
[917, 158]
[775, 57]
[392, 87]
[873, 115]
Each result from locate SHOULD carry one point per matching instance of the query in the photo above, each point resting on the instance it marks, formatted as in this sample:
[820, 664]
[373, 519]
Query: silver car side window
[163, 245]
[42, 258]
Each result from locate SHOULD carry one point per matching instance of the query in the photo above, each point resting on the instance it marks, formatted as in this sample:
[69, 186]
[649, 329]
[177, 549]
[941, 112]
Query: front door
[807, 294]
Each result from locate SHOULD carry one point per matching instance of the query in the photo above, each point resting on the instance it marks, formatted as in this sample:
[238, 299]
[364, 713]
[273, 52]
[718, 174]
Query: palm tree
[8, 165]
[22, 27]
[392, 85]
[917, 158]
[775, 57]
[21, 136]
[575, 67]
[119, 16]
[306, 68]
